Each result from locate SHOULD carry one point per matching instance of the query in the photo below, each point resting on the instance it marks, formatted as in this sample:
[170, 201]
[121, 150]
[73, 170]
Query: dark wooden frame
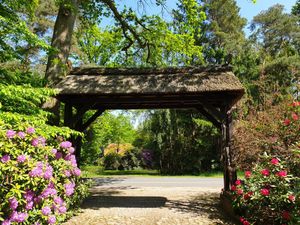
[216, 105]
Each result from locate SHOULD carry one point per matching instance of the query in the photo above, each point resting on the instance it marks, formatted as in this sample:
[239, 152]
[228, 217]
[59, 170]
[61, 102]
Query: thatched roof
[109, 81]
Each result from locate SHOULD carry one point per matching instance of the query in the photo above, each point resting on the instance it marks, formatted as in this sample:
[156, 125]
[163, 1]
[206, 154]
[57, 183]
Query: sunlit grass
[96, 171]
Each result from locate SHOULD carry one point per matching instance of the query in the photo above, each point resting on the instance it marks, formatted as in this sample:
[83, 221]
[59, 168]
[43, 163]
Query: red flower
[292, 198]
[274, 161]
[233, 188]
[295, 116]
[240, 191]
[248, 195]
[296, 104]
[287, 122]
[265, 192]
[246, 222]
[247, 174]
[281, 173]
[286, 215]
[238, 182]
[265, 172]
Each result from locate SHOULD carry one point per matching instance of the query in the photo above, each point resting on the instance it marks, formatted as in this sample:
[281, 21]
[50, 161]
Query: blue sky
[248, 9]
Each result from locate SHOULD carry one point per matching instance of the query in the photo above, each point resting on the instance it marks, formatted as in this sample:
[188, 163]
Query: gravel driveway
[150, 202]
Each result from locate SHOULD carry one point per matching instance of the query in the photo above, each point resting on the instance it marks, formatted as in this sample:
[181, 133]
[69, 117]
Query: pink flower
[292, 198]
[69, 188]
[20, 217]
[274, 161]
[246, 222]
[30, 130]
[265, 172]
[29, 205]
[67, 173]
[29, 194]
[13, 203]
[238, 182]
[62, 209]
[21, 158]
[46, 210]
[35, 142]
[58, 200]
[54, 151]
[21, 134]
[287, 122]
[233, 188]
[286, 215]
[71, 150]
[6, 222]
[265, 192]
[295, 116]
[282, 173]
[48, 172]
[51, 219]
[5, 158]
[65, 144]
[36, 172]
[58, 155]
[239, 191]
[76, 172]
[296, 104]
[10, 134]
[247, 174]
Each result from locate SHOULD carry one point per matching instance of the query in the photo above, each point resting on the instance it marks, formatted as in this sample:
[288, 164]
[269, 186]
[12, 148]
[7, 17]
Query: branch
[125, 26]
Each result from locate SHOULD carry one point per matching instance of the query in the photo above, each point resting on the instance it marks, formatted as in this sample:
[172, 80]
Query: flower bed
[39, 178]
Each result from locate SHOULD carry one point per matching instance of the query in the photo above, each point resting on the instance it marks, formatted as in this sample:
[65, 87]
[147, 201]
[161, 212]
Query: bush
[270, 192]
[40, 180]
[268, 195]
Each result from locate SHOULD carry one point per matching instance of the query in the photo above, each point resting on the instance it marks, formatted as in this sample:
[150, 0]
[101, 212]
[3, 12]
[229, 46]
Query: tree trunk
[61, 41]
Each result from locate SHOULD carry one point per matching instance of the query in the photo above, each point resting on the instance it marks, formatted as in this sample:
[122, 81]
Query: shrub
[40, 180]
[267, 195]
[270, 192]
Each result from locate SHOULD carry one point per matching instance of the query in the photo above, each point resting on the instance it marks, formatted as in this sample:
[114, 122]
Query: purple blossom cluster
[39, 141]
[49, 200]
[69, 188]
[5, 158]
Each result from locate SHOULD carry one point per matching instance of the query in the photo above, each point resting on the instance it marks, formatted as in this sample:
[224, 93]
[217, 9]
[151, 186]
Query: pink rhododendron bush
[39, 178]
[269, 193]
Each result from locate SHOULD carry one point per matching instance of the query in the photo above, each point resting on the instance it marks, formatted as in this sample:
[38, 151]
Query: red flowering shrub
[269, 195]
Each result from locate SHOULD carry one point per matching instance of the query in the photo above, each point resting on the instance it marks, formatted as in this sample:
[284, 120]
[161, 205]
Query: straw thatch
[108, 81]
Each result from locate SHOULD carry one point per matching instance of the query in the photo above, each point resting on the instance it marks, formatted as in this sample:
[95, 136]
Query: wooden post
[230, 174]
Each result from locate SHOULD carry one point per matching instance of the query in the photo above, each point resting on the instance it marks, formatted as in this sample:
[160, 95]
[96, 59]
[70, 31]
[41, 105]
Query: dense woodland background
[201, 32]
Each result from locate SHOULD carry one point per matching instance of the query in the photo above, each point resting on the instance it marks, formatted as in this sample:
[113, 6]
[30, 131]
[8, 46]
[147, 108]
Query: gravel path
[133, 205]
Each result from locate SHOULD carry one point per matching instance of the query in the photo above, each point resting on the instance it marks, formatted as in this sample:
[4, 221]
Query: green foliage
[29, 163]
[107, 129]
[183, 143]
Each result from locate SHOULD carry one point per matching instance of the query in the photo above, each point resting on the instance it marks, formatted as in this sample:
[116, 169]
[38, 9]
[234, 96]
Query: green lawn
[95, 171]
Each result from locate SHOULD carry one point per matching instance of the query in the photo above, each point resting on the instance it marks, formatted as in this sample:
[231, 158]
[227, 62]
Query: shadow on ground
[206, 203]
[96, 202]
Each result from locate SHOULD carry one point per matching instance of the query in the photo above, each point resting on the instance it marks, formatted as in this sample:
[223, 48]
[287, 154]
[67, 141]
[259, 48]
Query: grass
[96, 171]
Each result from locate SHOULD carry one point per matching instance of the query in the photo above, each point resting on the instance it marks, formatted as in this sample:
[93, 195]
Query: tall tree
[223, 34]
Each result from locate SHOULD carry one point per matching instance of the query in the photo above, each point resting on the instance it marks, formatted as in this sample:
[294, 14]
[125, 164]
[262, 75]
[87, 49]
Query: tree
[107, 129]
[222, 36]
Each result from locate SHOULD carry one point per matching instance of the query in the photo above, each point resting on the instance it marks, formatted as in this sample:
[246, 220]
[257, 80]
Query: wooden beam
[220, 116]
[68, 115]
[209, 116]
[85, 125]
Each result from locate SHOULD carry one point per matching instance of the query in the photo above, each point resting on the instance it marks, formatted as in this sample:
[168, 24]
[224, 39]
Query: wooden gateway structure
[211, 90]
